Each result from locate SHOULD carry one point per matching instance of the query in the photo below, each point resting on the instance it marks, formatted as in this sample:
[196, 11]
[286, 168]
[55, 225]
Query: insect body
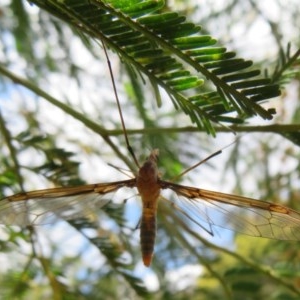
[149, 190]
[241, 214]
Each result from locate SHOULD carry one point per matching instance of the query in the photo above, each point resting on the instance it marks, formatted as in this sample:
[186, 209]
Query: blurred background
[45, 144]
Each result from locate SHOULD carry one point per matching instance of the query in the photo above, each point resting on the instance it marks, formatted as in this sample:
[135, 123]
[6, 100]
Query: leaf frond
[175, 56]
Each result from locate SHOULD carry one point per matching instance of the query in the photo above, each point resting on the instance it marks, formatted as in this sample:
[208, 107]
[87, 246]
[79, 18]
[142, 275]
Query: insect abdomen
[148, 231]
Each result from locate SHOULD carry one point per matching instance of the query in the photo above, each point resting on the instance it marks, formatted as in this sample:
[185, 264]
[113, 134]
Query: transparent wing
[241, 214]
[45, 206]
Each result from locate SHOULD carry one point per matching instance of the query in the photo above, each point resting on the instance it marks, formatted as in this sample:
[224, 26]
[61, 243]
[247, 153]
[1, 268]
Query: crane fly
[241, 214]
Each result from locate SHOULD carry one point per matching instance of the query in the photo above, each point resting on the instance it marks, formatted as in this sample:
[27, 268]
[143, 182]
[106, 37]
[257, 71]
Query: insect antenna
[121, 170]
[129, 148]
[203, 161]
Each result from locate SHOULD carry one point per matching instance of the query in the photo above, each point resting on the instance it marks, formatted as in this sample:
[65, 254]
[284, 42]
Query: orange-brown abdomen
[148, 232]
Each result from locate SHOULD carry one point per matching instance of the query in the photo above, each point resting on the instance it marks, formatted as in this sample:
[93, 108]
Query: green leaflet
[173, 55]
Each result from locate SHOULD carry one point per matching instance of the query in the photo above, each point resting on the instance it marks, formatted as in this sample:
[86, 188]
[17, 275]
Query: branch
[273, 128]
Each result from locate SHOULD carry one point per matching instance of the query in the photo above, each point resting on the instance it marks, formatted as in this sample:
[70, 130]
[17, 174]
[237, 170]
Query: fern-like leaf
[173, 55]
